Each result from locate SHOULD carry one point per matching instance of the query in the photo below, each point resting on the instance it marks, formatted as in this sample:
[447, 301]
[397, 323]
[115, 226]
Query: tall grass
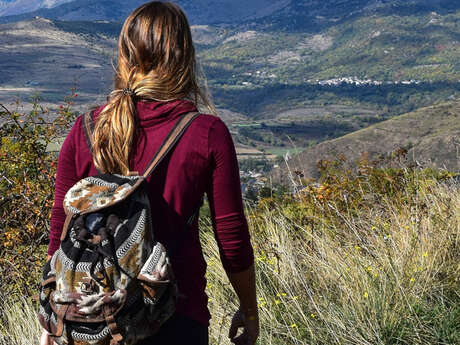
[385, 274]
[388, 275]
[19, 323]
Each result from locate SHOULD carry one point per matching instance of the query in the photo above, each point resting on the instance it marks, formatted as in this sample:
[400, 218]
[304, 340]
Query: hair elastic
[128, 92]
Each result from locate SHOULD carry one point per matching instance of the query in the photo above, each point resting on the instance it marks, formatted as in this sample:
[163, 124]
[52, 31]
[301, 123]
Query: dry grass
[19, 324]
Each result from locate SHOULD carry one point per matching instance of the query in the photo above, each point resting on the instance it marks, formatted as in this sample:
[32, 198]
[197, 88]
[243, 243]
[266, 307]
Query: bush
[27, 176]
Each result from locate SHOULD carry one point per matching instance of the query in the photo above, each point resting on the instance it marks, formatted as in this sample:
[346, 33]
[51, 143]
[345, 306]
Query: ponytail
[156, 62]
[114, 133]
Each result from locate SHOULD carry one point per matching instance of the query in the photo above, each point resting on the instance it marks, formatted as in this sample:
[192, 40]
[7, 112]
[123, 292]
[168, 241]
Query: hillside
[377, 47]
[315, 15]
[37, 57]
[431, 135]
[296, 42]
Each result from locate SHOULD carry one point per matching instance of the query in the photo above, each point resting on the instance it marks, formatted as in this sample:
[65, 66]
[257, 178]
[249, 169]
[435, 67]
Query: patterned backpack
[109, 282]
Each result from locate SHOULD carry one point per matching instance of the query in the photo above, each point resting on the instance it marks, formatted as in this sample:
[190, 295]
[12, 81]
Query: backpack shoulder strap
[173, 137]
[88, 129]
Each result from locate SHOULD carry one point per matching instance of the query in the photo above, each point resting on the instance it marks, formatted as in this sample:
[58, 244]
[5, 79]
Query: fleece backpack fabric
[109, 282]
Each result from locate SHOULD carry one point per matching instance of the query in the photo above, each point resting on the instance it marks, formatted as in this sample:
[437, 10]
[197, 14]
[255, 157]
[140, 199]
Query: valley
[279, 88]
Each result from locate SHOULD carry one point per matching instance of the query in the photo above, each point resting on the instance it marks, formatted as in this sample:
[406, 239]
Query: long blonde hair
[156, 61]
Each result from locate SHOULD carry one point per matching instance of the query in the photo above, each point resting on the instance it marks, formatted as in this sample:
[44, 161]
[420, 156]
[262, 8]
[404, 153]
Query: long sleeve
[225, 200]
[66, 177]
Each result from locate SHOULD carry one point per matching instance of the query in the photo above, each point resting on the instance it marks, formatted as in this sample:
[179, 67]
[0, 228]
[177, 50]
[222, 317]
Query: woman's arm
[231, 231]
[244, 284]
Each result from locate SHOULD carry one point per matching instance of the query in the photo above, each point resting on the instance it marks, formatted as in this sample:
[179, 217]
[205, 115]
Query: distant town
[335, 81]
[260, 74]
[361, 82]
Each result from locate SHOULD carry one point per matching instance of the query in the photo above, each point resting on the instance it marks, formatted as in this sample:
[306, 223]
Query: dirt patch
[317, 43]
[310, 113]
[230, 117]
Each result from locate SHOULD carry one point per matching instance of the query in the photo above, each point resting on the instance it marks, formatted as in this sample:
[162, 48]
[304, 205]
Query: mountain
[286, 14]
[304, 40]
[290, 86]
[431, 135]
[81, 10]
[37, 57]
[15, 7]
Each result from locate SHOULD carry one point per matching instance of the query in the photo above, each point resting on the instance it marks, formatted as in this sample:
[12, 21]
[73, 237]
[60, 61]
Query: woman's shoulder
[211, 122]
[207, 119]
[219, 137]
[214, 129]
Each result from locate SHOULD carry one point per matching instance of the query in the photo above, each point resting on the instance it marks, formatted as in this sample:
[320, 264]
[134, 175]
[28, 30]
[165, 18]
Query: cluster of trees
[390, 99]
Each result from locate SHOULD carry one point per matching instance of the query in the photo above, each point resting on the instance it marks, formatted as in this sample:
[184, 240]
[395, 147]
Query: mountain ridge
[284, 83]
[258, 74]
[285, 14]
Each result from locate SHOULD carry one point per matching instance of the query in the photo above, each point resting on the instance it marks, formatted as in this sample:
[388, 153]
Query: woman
[156, 83]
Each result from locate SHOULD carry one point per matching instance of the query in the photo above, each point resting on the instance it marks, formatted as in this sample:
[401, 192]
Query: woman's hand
[250, 325]
[46, 339]
[247, 316]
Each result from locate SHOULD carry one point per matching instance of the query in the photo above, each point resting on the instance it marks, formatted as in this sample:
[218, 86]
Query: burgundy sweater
[203, 161]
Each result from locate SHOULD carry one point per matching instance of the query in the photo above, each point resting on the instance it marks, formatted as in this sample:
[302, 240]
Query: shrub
[27, 175]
